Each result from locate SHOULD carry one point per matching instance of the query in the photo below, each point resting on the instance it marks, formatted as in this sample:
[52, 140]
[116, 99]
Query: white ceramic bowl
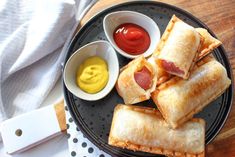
[114, 19]
[98, 48]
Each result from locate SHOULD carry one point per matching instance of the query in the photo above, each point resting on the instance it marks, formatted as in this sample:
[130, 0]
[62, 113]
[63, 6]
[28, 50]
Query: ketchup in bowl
[131, 38]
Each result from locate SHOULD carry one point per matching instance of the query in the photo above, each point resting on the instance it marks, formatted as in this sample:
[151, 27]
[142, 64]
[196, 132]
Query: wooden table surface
[219, 16]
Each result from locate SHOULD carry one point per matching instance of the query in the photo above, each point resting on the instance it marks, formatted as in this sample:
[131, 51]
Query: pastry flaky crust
[180, 45]
[178, 100]
[144, 129]
[126, 85]
[209, 43]
[161, 75]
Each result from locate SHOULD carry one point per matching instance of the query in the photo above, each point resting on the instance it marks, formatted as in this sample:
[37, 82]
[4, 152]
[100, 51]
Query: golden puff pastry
[144, 129]
[178, 99]
[136, 81]
[178, 48]
[209, 43]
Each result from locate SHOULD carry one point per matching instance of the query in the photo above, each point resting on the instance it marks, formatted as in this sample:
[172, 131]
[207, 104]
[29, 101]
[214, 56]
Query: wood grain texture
[60, 113]
[219, 16]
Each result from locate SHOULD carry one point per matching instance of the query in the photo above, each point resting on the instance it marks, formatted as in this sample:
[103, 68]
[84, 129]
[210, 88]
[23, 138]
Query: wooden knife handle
[60, 113]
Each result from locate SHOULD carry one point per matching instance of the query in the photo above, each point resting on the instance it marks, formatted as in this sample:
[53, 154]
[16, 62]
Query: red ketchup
[131, 38]
[143, 78]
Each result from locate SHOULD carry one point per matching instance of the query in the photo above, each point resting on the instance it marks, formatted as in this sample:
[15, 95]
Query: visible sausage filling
[170, 67]
[143, 78]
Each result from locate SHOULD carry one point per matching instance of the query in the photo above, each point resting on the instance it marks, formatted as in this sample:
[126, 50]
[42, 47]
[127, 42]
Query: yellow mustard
[92, 75]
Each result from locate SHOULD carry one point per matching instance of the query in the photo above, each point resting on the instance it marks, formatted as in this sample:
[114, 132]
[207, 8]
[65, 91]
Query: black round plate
[94, 118]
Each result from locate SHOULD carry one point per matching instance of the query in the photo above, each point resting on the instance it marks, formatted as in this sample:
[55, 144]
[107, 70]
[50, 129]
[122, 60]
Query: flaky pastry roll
[209, 43]
[136, 81]
[161, 75]
[179, 99]
[144, 129]
[178, 48]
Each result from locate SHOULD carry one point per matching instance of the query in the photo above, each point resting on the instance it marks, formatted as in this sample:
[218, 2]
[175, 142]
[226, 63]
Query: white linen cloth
[32, 33]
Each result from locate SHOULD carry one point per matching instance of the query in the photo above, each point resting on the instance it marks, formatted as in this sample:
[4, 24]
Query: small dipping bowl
[115, 19]
[101, 49]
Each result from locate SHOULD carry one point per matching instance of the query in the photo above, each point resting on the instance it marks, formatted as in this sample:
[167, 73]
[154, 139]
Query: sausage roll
[144, 129]
[209, 43]
[161, 75]
[178, 99]
[136, 81]
[178, 48]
